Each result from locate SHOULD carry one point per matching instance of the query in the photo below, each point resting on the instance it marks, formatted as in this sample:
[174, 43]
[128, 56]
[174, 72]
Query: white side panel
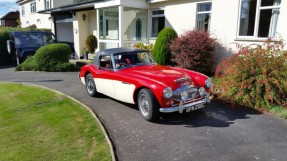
[105, 86]
[124, 91]
[83, 80]
[116, 89]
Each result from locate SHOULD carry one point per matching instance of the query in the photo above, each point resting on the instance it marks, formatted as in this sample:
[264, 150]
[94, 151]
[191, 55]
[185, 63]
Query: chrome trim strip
[182, 89]
[182, 79]
[176, 108]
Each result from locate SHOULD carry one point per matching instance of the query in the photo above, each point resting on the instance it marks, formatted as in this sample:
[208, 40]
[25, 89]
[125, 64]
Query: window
[109, 23]
[158, 22]
[259, 18]
[134, 24]
[23, 11]
[203, 16]
[106, 63]
[47, 4]
[33, 7]
[138, 29]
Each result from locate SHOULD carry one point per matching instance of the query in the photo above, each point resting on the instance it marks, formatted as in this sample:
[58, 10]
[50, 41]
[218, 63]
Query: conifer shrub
[194, 50]
[255, 77]
[161, 51]
[92, 43]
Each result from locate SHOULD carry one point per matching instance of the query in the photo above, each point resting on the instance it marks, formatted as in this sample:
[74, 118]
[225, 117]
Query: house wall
[181, 16]
[282, 26]
[58, 3]
[83, 28]
[40, 20]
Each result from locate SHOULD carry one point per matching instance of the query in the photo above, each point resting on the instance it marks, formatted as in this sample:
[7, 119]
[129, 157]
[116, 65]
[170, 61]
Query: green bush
[51, 58]
[141, 45]
[51, 54]
[194, 50]
[254, 77]
[92, 43]
[27, 65]
[5, 33]
[161, 52]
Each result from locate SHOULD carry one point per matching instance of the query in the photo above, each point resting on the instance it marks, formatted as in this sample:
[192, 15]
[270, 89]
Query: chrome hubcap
[90, 86]
[144, 105]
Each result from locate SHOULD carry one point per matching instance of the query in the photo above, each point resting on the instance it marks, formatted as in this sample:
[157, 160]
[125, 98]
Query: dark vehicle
[23, 45]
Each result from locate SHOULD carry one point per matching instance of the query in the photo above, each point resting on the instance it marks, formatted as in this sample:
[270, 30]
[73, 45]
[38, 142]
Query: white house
[118, 23]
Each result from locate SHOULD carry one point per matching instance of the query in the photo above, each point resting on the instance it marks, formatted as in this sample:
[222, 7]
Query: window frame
[156, 16]
[23, 10]
[203, 12]
[33, 7]
[257, 21]
[45, 4]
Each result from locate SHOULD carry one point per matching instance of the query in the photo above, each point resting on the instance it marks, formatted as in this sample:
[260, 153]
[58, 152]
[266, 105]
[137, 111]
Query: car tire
[91, 86]
[27, 56]
[148, 105]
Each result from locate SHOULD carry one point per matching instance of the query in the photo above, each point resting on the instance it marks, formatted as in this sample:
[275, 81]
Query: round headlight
[184, 96]
[167, 92]
[201, 91]
[208, 83]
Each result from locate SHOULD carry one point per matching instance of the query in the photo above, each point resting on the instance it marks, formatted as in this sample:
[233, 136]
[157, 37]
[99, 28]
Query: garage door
[65, 31]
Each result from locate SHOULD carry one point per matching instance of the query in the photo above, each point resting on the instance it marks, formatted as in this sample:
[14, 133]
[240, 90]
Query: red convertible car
[132, 76]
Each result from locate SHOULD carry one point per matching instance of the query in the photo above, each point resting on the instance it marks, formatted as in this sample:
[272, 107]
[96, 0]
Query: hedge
[52, 57]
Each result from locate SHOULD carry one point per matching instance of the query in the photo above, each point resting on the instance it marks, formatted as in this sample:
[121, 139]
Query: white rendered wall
[40, 20]
[181, 16]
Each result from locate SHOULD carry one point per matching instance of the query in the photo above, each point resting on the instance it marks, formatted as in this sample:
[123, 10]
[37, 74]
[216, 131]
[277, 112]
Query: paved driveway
[218, 133]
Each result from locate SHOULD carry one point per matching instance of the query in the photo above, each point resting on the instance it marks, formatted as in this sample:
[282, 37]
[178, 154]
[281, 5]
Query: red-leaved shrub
[194, 50]
[255, 76]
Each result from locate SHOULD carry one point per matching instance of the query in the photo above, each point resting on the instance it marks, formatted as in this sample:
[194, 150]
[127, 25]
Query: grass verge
[37, 124]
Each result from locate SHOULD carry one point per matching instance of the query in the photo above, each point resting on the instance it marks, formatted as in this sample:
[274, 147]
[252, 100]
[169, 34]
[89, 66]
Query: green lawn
[37, 124]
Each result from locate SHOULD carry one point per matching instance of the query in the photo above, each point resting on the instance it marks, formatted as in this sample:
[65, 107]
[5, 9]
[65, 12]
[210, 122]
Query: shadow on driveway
[216, 114]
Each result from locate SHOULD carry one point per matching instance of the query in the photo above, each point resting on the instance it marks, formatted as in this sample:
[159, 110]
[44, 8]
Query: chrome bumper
[189, 106]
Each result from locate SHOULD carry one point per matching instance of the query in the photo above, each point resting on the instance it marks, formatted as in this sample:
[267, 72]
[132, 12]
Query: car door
[104, 77]
[124, 89]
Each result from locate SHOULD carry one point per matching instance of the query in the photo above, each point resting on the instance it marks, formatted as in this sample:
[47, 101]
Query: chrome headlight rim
[184, 96]
[202, 91]
[208, 83]
[167, 93]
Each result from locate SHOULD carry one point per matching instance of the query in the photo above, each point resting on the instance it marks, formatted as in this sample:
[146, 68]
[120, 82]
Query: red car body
[169, 88]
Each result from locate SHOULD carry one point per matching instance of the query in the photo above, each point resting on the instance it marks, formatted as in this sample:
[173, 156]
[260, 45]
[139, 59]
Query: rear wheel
[91, 86]
[148, 105]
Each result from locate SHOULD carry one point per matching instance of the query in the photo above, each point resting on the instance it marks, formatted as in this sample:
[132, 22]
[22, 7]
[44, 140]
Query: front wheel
[91, 86]
[148, 105]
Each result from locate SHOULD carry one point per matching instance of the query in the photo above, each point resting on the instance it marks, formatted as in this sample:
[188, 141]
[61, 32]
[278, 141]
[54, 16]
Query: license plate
[195, 107]
[198, 106]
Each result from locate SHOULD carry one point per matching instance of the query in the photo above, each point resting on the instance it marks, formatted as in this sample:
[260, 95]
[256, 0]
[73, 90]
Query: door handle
[98, 73]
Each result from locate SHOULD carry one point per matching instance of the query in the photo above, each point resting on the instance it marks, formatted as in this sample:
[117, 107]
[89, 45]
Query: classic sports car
[132, 76]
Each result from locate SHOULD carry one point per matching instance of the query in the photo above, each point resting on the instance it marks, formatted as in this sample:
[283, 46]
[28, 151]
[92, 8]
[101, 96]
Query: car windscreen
[49, 38]
[125, 60]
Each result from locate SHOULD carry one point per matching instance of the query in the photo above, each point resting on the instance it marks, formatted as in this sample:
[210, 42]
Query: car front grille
[192, 93]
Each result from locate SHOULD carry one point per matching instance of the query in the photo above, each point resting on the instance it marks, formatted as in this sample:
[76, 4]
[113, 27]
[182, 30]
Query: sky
[7, 6]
